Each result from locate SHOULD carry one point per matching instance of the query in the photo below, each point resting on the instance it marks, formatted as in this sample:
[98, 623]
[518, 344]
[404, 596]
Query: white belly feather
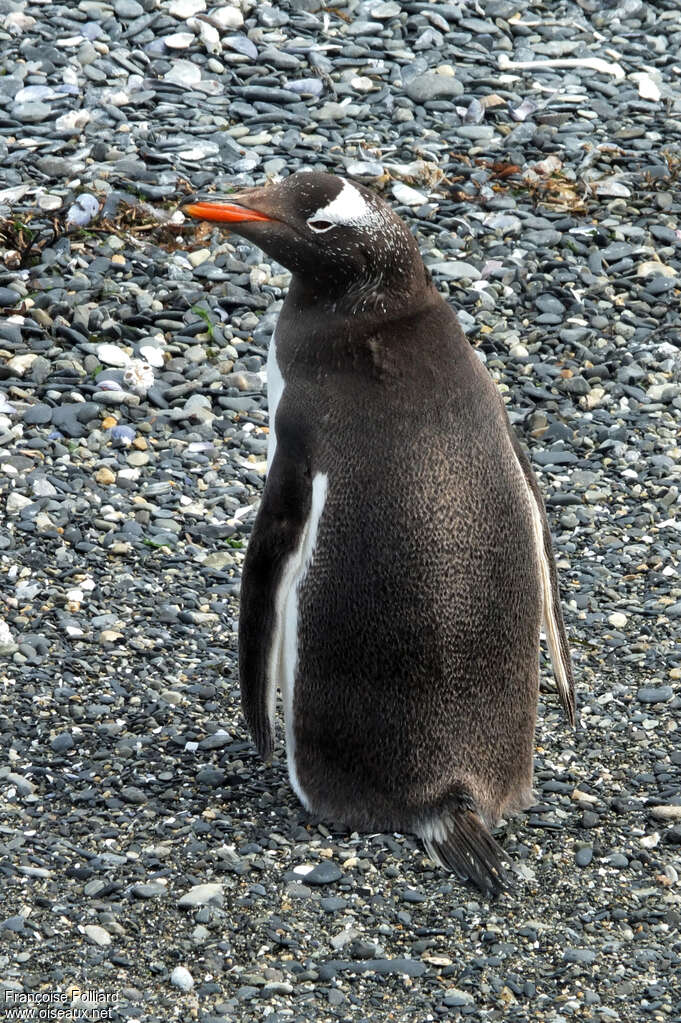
[283, 658]
[550, 624]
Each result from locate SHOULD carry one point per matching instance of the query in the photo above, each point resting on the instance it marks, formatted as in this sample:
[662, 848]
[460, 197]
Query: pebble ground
[145, 853]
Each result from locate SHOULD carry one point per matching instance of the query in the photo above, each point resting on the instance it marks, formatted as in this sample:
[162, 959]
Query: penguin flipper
[554, 626]
[277, 530]
[461, 844]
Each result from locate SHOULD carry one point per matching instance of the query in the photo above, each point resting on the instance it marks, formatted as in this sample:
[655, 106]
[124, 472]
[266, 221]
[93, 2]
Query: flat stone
[133, 794]
[8, 297]
[201, 894]
[128, 9]
[456, 270]
[579, 955]
[38, 415]
[324, 873]
[671, 812]
[654, 694]
[148, 891]
[16, 503]
[456, 997]
[432, 86]
[404, 967]
[31, 112]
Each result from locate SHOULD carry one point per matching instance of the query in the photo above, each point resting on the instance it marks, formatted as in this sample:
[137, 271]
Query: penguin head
[334, 235]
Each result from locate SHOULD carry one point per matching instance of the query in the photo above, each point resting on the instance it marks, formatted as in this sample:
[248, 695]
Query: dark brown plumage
[396, 578]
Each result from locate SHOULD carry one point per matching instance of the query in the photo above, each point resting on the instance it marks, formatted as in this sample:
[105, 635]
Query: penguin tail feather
[460, 843]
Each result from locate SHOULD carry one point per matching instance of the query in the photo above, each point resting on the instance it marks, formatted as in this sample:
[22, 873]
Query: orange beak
[223, 212]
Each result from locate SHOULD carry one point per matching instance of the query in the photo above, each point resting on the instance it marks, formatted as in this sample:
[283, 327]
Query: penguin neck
[368, 296]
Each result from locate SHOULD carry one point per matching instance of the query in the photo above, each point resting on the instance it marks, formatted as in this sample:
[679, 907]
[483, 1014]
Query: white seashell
[409, 196]
[72, 122]
[611, 186]
[139, 376]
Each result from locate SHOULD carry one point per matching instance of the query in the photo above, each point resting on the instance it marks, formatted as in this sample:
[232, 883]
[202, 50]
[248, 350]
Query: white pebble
[362, 84]
[15, 503]
[647, 86]
[20, 363]
[228, 17]
[209, 35]
[97, 935]
[183, 72]
[112, 355]
[198, 256]
[617, 619]
[182, 978]
[48, 201]
[179, 40]
[186, 8]
[153, 355]
[6, 638]
[200, 894]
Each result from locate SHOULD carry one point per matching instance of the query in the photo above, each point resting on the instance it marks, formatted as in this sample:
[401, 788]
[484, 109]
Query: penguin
[400, 567]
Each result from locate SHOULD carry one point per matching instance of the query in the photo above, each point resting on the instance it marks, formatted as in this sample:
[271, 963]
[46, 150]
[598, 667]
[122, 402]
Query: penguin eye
[320, 225]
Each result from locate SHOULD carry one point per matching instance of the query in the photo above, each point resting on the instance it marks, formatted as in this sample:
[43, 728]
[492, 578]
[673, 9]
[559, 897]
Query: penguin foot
[461, 844]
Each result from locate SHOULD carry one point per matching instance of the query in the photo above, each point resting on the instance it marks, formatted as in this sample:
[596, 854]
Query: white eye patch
[349, 208]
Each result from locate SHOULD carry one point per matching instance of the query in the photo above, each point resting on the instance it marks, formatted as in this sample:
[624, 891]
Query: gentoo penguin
[400, 565]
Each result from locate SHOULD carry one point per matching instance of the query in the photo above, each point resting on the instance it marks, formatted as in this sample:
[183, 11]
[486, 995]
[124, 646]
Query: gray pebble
[579, 955]
[324, 873]
[654, 694]
[63, 742]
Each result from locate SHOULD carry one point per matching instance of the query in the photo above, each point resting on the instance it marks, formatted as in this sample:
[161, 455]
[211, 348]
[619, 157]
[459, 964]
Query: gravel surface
[146, 854]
